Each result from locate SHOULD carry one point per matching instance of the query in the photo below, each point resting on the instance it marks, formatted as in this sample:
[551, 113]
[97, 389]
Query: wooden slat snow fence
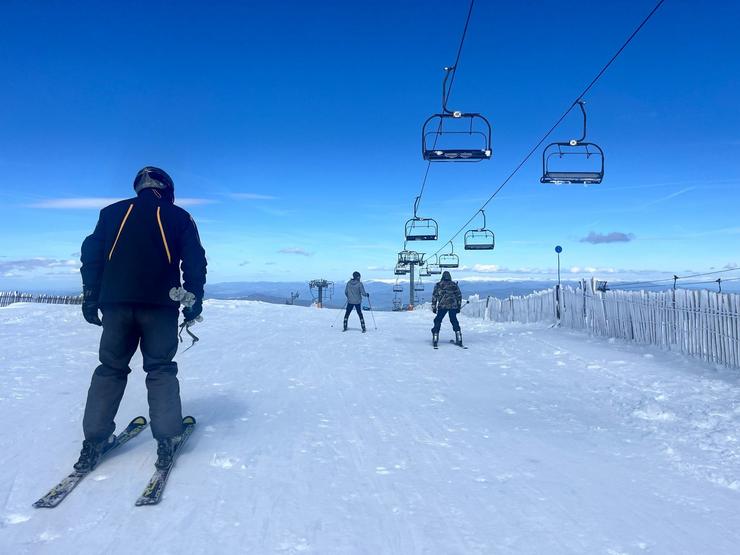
[8, 297]
[699, 323]
[536, 307]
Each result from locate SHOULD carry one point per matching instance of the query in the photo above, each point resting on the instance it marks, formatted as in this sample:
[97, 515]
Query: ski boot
[435, 339]
[458, 338]
[165, 451]
[362, 323]
[345, 326]
[91, 452]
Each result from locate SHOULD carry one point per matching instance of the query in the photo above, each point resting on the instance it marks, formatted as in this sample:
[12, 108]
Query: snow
[534, 440]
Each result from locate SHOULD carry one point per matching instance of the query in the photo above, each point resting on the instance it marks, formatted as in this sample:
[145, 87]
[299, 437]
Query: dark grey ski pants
[441, 313]
[125, 327]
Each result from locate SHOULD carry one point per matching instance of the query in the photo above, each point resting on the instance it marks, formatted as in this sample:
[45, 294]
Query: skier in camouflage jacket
[446, 299]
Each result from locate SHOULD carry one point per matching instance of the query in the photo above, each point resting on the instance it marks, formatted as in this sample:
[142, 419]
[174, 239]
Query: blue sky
[292, 131]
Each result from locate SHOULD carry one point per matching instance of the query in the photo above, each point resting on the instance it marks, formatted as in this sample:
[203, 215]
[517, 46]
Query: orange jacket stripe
[164, 238]
[120, 229]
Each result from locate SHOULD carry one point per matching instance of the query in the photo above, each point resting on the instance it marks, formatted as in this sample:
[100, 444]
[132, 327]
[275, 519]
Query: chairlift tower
[411, 259]
[321, 286]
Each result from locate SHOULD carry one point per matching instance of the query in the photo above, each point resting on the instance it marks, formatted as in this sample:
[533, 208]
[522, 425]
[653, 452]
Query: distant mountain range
[381, 293]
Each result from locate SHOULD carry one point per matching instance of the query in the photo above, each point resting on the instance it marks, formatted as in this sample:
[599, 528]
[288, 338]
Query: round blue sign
[558, 249]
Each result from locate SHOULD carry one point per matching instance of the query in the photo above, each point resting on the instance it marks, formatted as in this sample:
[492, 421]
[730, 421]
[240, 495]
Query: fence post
[585, 318]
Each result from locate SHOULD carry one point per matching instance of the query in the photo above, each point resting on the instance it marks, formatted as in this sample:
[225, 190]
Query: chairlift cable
[562, 117]
[630, 283]
[619, 287]
[445, 98]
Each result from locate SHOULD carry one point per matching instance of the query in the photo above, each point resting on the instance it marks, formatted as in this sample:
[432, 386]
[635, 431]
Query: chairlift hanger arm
[581, 104]
[446, 90]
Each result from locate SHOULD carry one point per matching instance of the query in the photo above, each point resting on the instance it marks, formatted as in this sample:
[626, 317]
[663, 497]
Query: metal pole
[411, 286]
[321, 301]
[370, 305]
[558, 249]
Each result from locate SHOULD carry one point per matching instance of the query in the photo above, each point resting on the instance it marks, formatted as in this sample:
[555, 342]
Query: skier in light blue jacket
[354, 291]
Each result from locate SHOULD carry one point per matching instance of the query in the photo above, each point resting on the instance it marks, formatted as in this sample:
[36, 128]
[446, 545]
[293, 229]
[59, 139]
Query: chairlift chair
[433, 267]
[481, 150]
[418, 286]
[424, 271]
[397, 287]
[407, 257]
[558, 157]
[450, 259]
[480, 239]
[401, 269]
[421, 229]
[464, 136]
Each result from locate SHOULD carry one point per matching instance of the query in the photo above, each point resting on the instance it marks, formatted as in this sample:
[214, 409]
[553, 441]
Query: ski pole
[338, 313]
[369, 304]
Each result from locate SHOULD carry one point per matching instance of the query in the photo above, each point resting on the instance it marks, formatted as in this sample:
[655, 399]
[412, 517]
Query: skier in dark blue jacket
[130, 263]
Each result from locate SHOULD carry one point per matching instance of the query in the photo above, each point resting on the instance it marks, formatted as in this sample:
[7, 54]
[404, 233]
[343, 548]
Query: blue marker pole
[558, 249]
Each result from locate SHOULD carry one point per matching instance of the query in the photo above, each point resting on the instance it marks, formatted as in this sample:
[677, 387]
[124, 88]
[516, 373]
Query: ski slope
[309, 440]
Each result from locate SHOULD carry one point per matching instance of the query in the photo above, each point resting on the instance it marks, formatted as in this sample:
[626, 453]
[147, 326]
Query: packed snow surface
[309, 440]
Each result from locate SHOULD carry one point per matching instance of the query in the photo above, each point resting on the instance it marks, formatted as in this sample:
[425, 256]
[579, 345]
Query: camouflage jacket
[447, 296]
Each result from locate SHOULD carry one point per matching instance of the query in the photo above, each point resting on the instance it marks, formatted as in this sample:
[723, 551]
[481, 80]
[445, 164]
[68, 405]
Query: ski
[57, 494]
[457, 345]
[153, 492]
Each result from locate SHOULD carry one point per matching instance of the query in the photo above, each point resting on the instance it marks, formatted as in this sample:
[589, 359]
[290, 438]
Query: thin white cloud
[591, 270]
[668, 197]
[47, 266]
[486, 268]
[194, 201]
[96, 203]
[295, 250]
[274, 211]
[74, 203]
[251, 196]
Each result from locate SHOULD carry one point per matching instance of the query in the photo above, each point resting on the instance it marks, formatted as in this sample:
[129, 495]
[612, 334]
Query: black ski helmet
[150, 177]
[446, 276]
[356, 275]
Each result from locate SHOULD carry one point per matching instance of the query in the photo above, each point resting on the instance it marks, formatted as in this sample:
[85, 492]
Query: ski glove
[90, 306]
[192, 312]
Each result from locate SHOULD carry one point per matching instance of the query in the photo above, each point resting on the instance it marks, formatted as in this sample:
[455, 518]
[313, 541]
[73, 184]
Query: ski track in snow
[309, 440]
